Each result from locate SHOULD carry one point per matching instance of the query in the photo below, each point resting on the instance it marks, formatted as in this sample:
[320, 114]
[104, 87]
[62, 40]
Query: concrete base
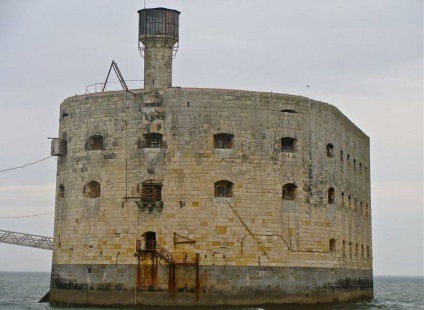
[126, 285]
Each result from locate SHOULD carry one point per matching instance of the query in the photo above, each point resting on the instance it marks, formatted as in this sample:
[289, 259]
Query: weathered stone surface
[253, 230]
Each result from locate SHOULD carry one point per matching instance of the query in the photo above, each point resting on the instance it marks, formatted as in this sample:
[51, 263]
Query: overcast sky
[363, 56]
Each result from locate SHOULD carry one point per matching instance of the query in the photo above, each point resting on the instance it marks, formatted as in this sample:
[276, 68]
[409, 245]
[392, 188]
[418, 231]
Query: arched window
[341, 156]
[349, 201]
[151, 191]
[343, 199]
[95, 143]
[330, 150]
[344, 248]
[361, 206]
[151, 141]
[360, 168]
[354, 164]
[289, 191]
[350, 250]
[367, 211]
[223, 141]
[61, 192]
[368, 251]
[92, 189]
[356, 251]
[288, 144]
[331, 196]
[224, 189]
[362, 251]
[348, 159]
[332, 246]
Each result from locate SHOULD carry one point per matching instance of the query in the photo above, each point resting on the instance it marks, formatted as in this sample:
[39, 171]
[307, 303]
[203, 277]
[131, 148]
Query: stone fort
[171, 196]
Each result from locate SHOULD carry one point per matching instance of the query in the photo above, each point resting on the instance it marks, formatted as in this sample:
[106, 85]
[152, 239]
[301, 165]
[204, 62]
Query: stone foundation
[125, 285]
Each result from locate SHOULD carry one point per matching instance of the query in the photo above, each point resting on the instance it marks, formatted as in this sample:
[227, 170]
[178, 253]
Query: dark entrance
[150, 240]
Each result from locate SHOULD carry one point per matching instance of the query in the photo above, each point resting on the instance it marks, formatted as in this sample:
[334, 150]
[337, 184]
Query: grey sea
[23, 290]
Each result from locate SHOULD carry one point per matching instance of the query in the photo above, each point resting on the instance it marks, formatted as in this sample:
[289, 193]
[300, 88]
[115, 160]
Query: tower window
[224, 188]
[331, 196]
[223, 141]
[95, 143]
[61, 192]
[151, 141]
[344, 248]
[92, 189]
[332, 246]
[330, 150]
[288, 144]
[343, 199]
[354, 164]
[341, 156]
[151, 191]
[349, 200]
[289, 191]
[348, 159]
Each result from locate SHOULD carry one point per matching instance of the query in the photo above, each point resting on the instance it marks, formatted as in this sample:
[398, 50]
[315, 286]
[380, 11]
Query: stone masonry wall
[253, 227]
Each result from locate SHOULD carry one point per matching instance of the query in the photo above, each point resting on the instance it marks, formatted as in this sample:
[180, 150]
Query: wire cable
[15, 217]
[23, 166]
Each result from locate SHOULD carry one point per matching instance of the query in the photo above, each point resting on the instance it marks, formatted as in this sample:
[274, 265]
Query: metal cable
[23, 166]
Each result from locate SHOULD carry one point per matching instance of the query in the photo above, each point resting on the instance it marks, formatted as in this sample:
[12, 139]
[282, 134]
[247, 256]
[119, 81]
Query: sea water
[23, 290]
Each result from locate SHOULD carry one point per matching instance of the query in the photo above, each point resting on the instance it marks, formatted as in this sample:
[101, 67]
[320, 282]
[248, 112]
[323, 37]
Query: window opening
[341, 156]
[356, 251]
[223, 141]
[343, 199]
[289, 191]
[331, 196]
[332, 246]
[350, 250]
[224, 188]
[151, 141]
[362, 251]
[330, 150]
[61, 193]
[92, 189]
[348, 159]
[151, 191]
[368, 251]
[95, 143]
[349, 200]
[354, 164]
[288, 111]
[288, 144]
[344, 248]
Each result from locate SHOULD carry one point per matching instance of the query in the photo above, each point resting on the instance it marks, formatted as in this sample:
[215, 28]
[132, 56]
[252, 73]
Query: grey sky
[364, 57]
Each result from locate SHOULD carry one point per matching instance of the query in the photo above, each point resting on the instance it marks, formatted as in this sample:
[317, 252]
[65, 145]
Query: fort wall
[270, 191]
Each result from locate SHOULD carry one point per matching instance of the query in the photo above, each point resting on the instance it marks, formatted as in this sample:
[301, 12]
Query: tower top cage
[158, 26]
